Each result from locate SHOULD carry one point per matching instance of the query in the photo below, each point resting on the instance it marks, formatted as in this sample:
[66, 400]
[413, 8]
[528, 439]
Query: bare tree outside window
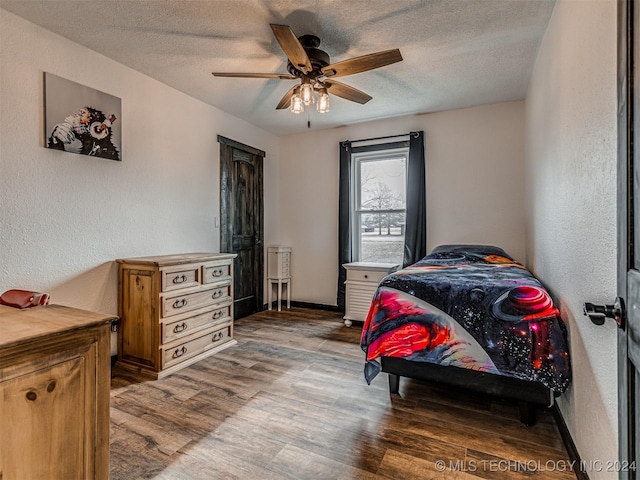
[382, 198]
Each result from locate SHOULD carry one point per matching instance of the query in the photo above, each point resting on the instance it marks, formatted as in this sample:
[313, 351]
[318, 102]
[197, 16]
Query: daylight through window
[379, 205]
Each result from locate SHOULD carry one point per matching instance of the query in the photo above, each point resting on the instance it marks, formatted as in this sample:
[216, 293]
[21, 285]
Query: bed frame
[528, 394]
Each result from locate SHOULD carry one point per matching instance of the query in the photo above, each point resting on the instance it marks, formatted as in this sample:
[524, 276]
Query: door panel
[630, 395]
[244, 232]
[241, 222]
[628, 249]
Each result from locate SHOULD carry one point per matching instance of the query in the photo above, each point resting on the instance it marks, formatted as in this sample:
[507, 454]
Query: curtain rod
[414, 134]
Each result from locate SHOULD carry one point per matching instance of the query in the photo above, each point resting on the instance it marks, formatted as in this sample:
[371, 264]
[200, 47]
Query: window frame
[370, 153]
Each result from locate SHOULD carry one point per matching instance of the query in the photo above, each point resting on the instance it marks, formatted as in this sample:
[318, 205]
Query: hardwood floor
[290, 402]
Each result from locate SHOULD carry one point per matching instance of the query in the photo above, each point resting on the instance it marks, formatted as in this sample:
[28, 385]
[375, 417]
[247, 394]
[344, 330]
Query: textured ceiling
[457, 53]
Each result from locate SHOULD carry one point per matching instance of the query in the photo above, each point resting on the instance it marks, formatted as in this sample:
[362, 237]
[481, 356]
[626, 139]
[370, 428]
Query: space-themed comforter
[469, 306]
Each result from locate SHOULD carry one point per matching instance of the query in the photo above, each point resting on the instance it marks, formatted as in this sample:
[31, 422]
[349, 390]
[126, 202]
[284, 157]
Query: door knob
[598, 313]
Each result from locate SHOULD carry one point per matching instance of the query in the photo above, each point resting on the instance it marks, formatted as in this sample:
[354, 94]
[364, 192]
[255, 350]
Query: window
[378, 205]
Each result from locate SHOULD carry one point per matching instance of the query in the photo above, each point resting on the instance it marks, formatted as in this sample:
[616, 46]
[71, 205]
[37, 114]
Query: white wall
[571, 195]
[475, 188]
[65, 218]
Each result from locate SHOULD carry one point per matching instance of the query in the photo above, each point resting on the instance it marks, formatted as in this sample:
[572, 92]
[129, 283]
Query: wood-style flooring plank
[289, 401]
[298, 463]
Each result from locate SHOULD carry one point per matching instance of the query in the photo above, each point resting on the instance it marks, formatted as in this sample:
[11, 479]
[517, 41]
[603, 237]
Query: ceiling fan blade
[291, 47]
[282, 76]
[363, 63]
[285, 102]
[347, 92]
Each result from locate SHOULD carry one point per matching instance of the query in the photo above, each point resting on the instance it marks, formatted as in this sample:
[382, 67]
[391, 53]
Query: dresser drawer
[366, 275]
[179, 353]
[187, 277]
[176, 304]
[181, 328]
[216, 272]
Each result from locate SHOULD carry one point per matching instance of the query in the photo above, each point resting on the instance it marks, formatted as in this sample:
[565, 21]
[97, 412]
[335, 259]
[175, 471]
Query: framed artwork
[81, 120]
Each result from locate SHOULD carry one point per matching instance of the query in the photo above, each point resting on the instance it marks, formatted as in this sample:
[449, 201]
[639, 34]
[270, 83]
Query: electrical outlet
[115, 324]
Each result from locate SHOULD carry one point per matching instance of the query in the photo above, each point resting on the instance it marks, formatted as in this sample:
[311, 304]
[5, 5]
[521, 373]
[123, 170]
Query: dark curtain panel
[415, 234]
[344, 223]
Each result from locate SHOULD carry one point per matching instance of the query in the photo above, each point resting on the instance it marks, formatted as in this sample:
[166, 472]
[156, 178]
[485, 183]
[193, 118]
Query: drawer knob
[180, 328]
[180, 303]
[217, 314]
[32, 395]
[179, 352]
[217, 336]
[217, 294]
[217, 273]
[366, 276]
[180, 279]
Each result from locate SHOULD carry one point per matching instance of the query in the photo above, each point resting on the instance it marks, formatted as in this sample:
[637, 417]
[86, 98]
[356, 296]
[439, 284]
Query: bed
[469, 316]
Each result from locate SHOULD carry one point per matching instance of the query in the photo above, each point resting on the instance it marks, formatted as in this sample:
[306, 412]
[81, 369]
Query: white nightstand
[361, 285]
[279, 272]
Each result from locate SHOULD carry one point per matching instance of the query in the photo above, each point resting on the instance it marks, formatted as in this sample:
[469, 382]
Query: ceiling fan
[312, 67]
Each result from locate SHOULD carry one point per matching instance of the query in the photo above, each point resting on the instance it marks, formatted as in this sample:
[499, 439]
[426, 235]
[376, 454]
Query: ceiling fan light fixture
[313, 67]
[306, 92]
[297, 106]
[322, 105]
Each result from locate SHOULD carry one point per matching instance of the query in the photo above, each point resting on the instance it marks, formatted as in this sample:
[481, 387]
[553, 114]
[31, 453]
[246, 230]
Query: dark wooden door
[628, 230]
[241, 221]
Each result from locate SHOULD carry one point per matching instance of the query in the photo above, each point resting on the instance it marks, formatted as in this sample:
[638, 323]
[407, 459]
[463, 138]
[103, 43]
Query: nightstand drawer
[181, 352]
[366, 275]
[176, 304]
[187, 326]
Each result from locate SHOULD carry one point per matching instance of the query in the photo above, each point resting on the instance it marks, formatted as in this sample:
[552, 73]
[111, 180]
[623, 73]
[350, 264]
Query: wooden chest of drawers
[361, 285]
[174, 310]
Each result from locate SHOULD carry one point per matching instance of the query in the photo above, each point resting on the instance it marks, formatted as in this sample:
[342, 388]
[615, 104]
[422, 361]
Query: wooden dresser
[361, 285]
[174, 310]
[54, 393]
